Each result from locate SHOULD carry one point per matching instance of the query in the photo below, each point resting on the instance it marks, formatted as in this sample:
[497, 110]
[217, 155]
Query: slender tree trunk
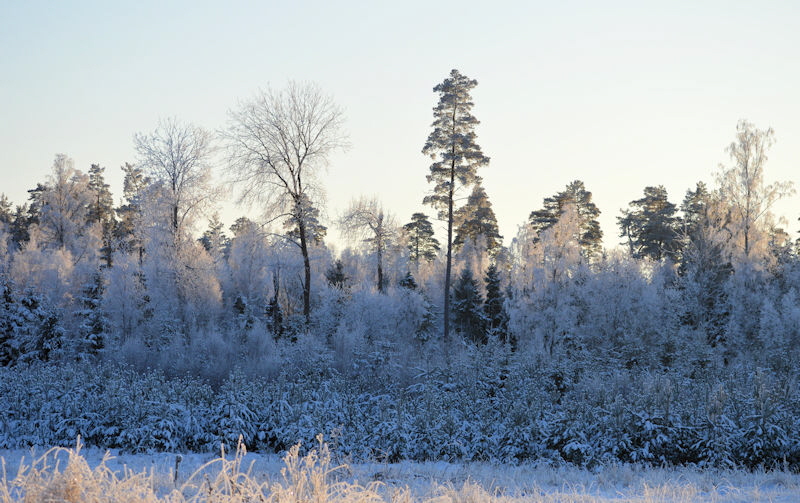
[307, 269]
[380, 268]
[449, 263]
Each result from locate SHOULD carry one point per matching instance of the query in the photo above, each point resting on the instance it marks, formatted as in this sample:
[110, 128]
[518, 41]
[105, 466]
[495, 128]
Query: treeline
[85, 277]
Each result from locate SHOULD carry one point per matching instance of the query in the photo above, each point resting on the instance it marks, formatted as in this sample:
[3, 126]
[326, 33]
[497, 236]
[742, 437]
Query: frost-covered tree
[214, 239]
[476, 220]
[494, 305]
[421, 241]
[101, 211]
[128, 232]
[178, 157]
[6, 215]
[93, 324]
[742, 184]
[366, 220]
[457, 156]
[274, 312]
[30, 329]
[651, 226]
[64, 219]
[305, 215]
[336, 276]
[277, 142]
[591, 236]
[20, 225]
[408, 282]
[468, 315]
[705, 266]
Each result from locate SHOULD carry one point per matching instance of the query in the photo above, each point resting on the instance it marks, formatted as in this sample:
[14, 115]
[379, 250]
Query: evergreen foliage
[335, 275]
[575, 193]
[273, 312]
[93, 323]
[651, 226]
[128, 229]
[101, 211]
[421, 241]
[457, 156]
[214, 239]
[468, 314]
[408, 282]
[476, 218]
[494, 306]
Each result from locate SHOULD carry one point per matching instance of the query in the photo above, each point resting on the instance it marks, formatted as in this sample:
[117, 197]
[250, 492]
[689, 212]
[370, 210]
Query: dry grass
[64, 475]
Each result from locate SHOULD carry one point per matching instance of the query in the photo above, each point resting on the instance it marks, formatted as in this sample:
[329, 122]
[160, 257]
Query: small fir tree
[468, 308]
[408, 282]
[273, 312]
[335, 275]
[93, 328]
[494, 306]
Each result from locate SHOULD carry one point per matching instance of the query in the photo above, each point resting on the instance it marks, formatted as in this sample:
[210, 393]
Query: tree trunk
[449, 263]
[380, 269]
[307, 269]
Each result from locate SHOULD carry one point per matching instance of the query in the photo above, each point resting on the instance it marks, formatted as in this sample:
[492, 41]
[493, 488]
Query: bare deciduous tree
[178, 156]
[367, 221]
[277, 141]
[742, 185]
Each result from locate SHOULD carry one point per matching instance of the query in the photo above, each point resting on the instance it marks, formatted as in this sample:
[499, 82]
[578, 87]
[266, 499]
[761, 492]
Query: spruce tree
[494, 306]
[476, 218]
[335, 275]
[6, 215]
[93, 328]
[126, 233]
[101, 211]
[214, 239]
[273, 312]
[468, 308]
[421, 243]
[457, 156]
[408, 282]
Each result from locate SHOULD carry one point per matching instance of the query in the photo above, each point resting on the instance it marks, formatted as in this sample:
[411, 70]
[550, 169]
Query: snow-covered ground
[405, 481]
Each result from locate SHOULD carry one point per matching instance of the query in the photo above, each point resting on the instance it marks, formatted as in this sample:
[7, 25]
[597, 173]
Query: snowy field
[90, 474]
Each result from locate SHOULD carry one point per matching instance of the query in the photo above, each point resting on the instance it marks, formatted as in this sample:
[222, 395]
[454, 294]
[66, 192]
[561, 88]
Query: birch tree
[277, 142]
[742, 184]
[367, 221]
[178, 156]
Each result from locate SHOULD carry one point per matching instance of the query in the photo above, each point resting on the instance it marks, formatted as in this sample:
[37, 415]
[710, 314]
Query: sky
[621, 95]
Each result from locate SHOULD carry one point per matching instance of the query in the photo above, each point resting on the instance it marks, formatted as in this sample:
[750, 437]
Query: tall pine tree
[456, 158]
[651, 225]
[101, 211]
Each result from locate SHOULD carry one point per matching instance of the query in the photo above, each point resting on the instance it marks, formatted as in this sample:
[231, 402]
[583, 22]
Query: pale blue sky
[618, 94]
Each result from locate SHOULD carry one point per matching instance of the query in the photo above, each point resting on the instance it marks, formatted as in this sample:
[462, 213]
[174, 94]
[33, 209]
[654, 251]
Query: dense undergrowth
[505, 410]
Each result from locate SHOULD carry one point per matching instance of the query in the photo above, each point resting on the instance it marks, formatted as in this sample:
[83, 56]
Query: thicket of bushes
[488, 404]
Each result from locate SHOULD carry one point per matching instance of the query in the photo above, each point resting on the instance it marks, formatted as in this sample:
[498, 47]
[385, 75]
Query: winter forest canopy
[675, 341]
